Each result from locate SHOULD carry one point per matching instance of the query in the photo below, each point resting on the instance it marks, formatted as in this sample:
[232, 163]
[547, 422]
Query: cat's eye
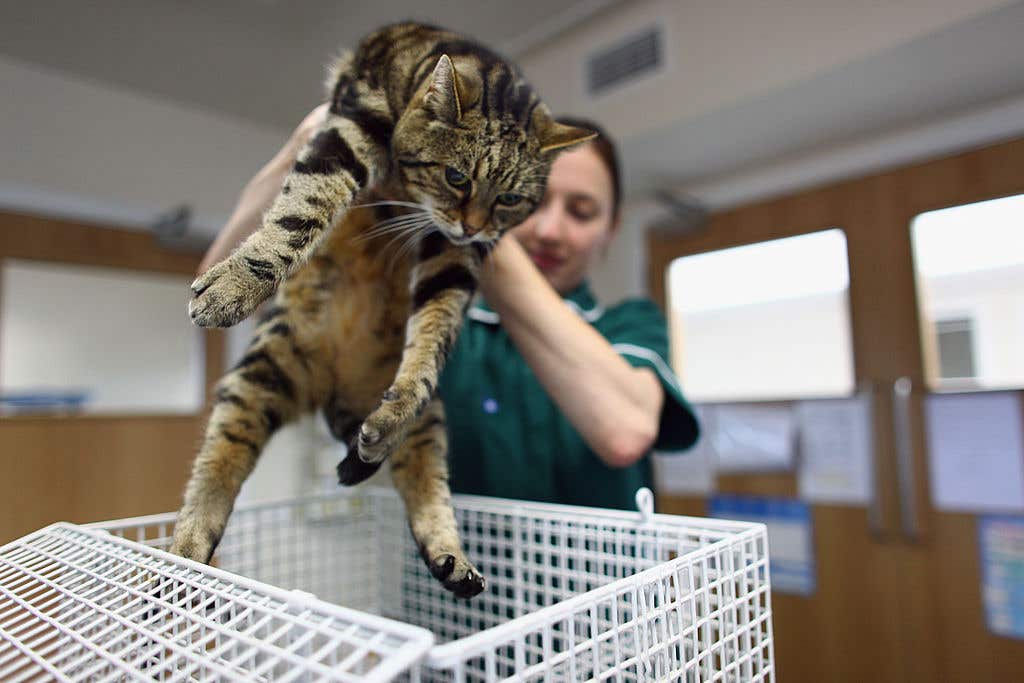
[509, 198]
[455, 177]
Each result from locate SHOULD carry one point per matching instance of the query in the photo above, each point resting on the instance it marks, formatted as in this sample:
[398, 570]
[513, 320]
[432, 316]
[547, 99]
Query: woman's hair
[605, 148]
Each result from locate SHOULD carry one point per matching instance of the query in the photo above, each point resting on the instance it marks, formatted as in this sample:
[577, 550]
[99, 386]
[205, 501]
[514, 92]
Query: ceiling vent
[625, 61]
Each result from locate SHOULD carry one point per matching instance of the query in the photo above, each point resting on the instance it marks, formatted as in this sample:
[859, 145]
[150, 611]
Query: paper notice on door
[1001, 541]
[976, 451]
[836, 451]
[752, 438]
[790, 536]
[691, 472]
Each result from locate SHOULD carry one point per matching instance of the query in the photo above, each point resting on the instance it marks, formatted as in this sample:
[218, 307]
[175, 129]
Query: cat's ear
[450, 92]
[556, 136]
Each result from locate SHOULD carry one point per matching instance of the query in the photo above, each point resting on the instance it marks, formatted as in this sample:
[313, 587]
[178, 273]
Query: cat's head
[477, 153]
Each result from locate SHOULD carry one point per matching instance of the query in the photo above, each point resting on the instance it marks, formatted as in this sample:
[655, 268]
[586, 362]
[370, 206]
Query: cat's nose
[474, 219]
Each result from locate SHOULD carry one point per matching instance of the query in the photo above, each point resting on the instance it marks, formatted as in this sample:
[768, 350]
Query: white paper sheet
[752, 438]
[976, 451]
[836, 451]
[692, 472]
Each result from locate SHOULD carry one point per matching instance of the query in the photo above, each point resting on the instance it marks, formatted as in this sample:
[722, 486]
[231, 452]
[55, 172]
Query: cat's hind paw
[230, 290]
[195, 539]
[455, 572]
[352, 470]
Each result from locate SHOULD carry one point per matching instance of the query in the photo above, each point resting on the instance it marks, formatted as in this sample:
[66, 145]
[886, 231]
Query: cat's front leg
[331, 170]
[442, 284]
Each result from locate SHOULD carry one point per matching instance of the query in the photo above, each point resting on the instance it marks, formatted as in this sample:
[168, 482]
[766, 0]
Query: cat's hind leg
[419, 470]
[344, 426]
[267, 388]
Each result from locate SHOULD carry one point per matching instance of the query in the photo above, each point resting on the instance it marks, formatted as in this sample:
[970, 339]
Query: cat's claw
[226, 294]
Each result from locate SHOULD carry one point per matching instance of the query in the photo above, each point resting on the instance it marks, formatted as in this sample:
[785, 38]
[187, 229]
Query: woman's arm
[615, 406]
[260, 191]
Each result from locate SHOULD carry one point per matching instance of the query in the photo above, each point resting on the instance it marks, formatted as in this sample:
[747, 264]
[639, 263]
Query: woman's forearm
[613, 405]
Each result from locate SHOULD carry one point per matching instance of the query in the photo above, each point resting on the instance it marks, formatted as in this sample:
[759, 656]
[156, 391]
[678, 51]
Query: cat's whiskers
[407, 241]
[394, 224]
[393, 202]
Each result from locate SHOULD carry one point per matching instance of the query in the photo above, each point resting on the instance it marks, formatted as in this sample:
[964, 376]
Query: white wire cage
[573, 594]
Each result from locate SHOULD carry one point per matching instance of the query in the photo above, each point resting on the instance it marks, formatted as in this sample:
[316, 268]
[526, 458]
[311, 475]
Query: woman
[544, 401]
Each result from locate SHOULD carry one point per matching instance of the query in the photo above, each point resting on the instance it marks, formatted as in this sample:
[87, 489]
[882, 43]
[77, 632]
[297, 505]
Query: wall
[85, 150]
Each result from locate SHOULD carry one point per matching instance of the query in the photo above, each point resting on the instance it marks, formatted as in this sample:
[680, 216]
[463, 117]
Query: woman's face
[574, 221]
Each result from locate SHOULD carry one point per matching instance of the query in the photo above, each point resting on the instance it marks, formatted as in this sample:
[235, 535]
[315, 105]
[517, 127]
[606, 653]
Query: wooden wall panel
[92, 468]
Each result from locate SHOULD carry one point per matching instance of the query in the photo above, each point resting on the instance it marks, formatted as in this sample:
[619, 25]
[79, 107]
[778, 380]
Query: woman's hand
[260, 191]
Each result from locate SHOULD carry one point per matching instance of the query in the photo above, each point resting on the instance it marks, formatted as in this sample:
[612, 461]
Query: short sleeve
[638, 332]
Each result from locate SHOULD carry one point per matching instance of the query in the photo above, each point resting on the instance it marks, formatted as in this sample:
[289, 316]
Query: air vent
[625, 61]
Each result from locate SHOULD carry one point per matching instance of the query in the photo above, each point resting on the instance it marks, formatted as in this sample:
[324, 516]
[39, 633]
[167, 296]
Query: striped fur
[451, 148]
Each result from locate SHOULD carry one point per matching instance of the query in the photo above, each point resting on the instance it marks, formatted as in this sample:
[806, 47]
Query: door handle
[876, 519]
[902, 390]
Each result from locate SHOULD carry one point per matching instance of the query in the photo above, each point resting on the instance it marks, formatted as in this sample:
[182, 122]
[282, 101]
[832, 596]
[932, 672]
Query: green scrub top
[507, 438]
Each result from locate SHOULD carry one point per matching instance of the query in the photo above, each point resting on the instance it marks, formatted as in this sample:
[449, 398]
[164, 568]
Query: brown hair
[605, 148]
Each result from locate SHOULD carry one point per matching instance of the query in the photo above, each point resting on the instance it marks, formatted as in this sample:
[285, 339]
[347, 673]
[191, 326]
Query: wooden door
[898, 595]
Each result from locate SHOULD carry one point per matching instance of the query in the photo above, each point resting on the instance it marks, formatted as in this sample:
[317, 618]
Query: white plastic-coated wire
[78, 604]
[574, 594]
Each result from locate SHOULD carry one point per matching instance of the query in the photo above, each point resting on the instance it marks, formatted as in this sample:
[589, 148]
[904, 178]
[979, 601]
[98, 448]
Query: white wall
[88, 150]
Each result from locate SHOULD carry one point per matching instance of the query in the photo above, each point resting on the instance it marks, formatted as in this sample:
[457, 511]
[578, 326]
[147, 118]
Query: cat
[429, 137]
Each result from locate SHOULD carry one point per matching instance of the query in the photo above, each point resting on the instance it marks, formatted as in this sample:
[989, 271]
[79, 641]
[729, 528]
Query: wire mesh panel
[78, 604]
[573, 594]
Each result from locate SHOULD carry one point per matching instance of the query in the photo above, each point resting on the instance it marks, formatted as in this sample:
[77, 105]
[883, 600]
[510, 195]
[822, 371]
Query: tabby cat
[431, 138]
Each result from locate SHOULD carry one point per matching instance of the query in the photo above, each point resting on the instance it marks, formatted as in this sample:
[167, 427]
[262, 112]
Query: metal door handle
[902, 389]
[866, 390]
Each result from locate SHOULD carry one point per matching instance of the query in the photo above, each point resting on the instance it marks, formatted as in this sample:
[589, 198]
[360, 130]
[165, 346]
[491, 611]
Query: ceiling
[968, 65]
[260, 60]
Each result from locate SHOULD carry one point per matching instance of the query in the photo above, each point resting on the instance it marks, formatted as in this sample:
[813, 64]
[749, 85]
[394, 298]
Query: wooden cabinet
[898, 600]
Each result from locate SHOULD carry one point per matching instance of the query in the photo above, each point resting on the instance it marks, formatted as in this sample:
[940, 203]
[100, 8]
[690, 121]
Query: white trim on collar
[659, 363]
[590, 315]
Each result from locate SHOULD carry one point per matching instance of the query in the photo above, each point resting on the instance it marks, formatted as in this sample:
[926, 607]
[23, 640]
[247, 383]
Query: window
[97, 340]
[969, 266]
[763, 321]
[956, 348]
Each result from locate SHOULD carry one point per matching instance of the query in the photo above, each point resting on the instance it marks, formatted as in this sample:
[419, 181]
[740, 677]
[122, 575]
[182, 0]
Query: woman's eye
[455, 177]
[509, 198]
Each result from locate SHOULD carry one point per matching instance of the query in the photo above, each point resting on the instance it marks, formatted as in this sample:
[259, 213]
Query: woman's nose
[548, 223]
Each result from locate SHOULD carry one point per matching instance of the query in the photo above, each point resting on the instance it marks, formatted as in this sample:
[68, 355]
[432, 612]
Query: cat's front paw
[454, 571]
[385, 427]
[229, 291]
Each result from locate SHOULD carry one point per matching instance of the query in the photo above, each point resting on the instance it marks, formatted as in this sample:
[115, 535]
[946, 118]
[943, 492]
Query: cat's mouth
[457, 234]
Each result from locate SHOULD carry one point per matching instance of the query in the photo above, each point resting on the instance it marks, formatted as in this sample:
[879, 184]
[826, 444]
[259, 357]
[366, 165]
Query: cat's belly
[369, 306]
